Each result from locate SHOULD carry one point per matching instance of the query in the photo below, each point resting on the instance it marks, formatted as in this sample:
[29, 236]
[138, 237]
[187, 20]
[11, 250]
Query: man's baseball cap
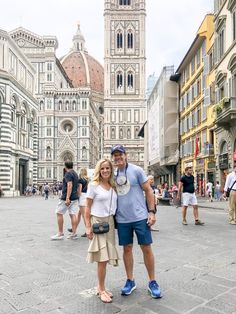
[118, 148]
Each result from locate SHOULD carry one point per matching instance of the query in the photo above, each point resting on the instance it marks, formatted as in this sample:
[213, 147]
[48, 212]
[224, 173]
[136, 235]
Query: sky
[171, 25]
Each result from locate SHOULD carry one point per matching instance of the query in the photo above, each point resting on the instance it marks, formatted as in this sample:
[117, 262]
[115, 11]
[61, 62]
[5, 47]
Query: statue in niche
[121, 133]
[49, 155]
[128, 133]
[84, 153]
[112, 133]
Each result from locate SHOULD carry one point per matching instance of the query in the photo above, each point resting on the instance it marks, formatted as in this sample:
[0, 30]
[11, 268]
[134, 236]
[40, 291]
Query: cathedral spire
[78, 40]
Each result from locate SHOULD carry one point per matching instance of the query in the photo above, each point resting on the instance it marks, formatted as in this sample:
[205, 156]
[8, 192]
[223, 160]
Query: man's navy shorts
[126, 232]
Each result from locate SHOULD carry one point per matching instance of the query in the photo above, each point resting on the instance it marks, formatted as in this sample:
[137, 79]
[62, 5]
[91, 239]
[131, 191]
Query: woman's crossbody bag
[103, 227]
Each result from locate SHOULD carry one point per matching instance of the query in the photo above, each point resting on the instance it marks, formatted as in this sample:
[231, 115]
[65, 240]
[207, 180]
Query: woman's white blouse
[104, 201]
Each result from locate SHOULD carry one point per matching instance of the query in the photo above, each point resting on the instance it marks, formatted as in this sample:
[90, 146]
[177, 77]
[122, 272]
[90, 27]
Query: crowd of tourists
[44, 190]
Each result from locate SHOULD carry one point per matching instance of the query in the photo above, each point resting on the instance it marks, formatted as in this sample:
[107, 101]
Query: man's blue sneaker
[129, 287]
[154, 289]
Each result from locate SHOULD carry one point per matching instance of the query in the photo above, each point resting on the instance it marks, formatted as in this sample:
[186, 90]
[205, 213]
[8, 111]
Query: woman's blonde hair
[84, 174]
[97, 173]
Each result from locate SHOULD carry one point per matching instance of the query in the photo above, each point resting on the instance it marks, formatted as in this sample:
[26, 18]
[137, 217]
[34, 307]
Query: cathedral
[53, 110]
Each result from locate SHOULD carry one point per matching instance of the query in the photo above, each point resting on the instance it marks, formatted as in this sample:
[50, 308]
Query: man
[46, 190]
[209, 190]
[68, 201]
[189, 198]
[151, 182]
[231, 185]
[132, 216]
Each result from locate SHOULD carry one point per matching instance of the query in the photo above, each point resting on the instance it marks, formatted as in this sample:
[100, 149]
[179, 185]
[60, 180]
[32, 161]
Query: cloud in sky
[171, 25]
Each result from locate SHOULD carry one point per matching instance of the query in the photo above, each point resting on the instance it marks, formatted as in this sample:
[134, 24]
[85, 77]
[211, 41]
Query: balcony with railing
[226, 112]
[207, 150]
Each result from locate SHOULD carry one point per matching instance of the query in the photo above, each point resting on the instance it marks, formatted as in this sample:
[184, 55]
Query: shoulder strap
[232, 185]
[110, 204]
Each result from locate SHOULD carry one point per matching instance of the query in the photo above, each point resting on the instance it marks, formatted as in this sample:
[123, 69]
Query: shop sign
[200, 164]
[224, 161]
[188, 164]
[211, 165]
[234, 156]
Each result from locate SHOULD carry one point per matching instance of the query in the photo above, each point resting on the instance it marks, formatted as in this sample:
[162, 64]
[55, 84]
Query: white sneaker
[73, 236]
[57, 236]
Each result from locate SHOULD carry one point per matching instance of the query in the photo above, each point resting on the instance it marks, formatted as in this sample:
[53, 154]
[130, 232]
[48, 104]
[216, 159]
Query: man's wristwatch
[152, 211]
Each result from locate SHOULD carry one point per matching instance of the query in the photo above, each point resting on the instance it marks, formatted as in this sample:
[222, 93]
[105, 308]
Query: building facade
[18, 119]
[70, 96]
[197, 119]
[124, 76]
[225, 67]
[161, 133]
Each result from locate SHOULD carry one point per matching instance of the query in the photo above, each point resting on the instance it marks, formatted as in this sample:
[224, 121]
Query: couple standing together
[121, 195]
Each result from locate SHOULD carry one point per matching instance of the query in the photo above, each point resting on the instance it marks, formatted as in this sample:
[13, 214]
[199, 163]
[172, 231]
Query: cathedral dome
[82, 69]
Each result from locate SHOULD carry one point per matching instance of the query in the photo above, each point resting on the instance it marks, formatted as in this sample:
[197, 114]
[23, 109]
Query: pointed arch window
[41, 105]
[130, 40]
[223, 148]
[130, 80]
[60, 105]
[13, 109]
[74, 105]
[119, 40]
[67, 106]
[119, 80]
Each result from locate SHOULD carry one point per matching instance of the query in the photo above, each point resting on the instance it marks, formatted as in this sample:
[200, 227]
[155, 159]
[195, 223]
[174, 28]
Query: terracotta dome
[82, 69]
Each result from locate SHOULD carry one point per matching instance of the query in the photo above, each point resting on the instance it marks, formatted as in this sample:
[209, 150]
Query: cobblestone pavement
[195, 265]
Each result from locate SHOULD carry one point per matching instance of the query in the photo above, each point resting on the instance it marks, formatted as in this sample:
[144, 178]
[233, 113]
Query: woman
[218, 193]
[82, 191]
[83, 186]
[101, 206]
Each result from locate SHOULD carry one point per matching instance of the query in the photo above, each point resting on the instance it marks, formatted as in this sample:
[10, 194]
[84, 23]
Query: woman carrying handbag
[101, 207]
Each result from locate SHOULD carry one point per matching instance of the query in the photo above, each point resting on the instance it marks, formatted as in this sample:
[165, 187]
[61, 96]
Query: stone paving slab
[195, 266]
[225, 303]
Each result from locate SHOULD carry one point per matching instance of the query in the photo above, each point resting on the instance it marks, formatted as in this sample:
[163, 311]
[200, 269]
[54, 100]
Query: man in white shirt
[209, 187]
[231, 184]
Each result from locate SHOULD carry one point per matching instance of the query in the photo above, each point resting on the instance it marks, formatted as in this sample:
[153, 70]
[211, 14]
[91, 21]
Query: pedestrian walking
[46, 190]
[188, 196]
[68, 201]
[82, 192]
[133, 216]
[209, 190]
[60, 185]
[230, 192]
[218, 193]
[101, 207]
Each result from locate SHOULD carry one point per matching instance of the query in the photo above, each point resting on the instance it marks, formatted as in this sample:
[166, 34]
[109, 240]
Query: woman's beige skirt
[102, 247]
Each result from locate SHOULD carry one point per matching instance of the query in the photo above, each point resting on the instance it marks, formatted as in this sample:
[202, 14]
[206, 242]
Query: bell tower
[124, 76]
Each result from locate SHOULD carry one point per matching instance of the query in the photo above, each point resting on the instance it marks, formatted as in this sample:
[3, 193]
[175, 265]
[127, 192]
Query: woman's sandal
[109, 293]
[105, 298]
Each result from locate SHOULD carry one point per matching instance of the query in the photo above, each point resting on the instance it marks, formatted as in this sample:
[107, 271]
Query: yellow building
[197, 138]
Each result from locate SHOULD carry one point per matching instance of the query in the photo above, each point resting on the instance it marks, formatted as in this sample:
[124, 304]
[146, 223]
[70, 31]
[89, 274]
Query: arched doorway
[223, 162]
[65, 156]
[234, 152]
